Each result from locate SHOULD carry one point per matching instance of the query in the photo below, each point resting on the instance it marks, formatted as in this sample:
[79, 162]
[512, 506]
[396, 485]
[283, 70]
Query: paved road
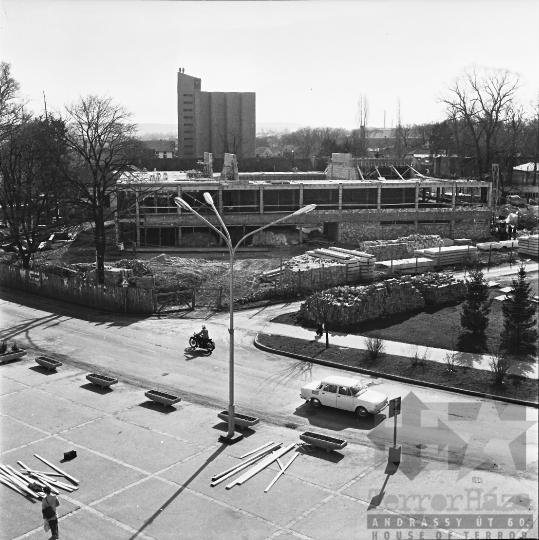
[152, 353]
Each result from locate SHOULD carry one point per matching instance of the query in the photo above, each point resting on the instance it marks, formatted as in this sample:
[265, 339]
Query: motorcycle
[196, 343]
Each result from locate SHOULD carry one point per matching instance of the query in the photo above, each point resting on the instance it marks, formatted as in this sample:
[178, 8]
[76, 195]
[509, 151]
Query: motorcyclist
[203, 335]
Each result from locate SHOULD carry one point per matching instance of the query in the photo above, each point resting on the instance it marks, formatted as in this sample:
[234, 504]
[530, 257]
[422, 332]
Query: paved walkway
[353, 341]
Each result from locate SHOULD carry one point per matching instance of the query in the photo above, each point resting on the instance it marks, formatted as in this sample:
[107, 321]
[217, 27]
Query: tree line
[483, 119]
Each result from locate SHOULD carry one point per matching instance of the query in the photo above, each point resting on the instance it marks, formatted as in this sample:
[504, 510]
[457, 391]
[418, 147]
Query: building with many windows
[215, 122]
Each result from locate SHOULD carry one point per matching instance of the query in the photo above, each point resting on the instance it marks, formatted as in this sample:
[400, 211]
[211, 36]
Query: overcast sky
[307, 61]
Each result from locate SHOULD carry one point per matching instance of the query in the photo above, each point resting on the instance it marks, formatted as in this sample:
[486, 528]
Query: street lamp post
[232, 436]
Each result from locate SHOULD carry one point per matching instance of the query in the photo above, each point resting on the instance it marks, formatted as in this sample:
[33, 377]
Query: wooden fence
[79, 291]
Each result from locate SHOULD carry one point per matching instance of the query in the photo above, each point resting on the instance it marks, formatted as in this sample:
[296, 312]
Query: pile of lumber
[258, 460]
[529, 245]
[359, 265]
[448, 256]
[489, 246]
[462, 242]
[402, 247]
[31, 482]
[415, 265]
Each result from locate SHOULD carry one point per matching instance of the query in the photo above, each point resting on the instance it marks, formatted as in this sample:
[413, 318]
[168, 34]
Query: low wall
[79, 291]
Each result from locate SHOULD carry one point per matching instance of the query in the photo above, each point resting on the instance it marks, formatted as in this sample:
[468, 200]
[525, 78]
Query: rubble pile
[437, 288]
[349, 306]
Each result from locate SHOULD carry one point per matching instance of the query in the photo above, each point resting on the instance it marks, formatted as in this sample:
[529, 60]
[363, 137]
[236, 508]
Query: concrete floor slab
[87, 525]
[337, 518]
[21, 515]
[137, 446]
[98, 476]
[333, 469]
[15, 434]
[9, 386]
[191, 422]
[287, 499]
[170, 512]
[28, 372]
[46, 411]
[78, 389]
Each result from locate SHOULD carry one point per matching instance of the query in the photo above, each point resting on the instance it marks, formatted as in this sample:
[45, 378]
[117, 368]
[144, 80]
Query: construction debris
[31, 482]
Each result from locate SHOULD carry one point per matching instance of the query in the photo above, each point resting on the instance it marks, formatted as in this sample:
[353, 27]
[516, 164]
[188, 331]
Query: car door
[328, 395]
[345, 400]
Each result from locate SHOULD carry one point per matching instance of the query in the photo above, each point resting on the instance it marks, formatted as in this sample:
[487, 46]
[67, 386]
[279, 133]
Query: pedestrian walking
[48, 509]
[320, 330]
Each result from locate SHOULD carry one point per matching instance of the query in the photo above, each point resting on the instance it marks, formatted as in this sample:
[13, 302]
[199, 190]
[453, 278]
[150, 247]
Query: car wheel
[362, 412]
[315, 402]
[193, 342]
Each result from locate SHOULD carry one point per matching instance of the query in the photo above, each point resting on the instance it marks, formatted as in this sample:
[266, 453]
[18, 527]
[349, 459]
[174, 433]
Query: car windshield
[358, 389]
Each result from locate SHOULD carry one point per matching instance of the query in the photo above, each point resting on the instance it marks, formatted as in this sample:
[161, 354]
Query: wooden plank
[11, 485]
[237, 469]
[19, 483]
[57, 469]
[257, 468]
[39, 479]
[256, 450]
[242, 465]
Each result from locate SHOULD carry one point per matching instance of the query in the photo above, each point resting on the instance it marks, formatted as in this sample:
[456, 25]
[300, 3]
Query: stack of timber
[509, 244]
[489, 246]
[529, 245]
[359, 265]
[415, 265]
[447, 256]
[402, 247]
[462, 242]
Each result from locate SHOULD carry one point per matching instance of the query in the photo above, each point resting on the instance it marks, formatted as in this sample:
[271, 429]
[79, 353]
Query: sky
[308, 61]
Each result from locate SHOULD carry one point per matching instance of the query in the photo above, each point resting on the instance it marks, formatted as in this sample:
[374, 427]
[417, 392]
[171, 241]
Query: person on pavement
[48, 509]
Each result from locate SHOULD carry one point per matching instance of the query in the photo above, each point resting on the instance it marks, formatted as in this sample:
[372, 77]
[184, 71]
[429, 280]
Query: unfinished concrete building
[356, 200]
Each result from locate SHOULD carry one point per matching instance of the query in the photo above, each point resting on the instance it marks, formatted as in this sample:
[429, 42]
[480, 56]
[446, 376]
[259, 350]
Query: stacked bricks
[529, 245]
[437, 288]
[352, 305]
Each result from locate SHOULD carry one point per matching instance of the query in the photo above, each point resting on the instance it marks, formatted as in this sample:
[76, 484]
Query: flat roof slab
[15, 434]
[110, 400]
[166, 511]
[340, 517]
[45, 411]
[87, 525]
[190, 421]
[9, 386]
[27, 372]
[137, 446]
[287, 499]
[98, 476]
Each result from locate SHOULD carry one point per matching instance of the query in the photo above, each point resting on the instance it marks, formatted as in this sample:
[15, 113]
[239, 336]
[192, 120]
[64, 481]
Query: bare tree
[481, 99]
[11, 106]
[102, 141]
[362, 123]
[233, 142]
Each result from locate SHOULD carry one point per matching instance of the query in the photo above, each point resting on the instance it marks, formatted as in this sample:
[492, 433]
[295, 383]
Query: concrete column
[490, 200]
[261, 195]
[340, 197]
[179, 210]
[301, 195]
[454, 196]
[220, 206]
[379, 198]
[417, 197]
[179, 236]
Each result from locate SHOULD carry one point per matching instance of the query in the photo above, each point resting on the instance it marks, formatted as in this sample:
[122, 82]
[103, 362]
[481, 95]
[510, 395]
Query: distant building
[216, 122]
[163, 149]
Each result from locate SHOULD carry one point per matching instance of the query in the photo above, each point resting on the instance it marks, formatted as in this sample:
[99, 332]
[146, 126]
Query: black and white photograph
[269, 270]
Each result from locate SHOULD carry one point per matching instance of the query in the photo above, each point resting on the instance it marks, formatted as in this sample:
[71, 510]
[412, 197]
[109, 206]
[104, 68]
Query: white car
[345, 393]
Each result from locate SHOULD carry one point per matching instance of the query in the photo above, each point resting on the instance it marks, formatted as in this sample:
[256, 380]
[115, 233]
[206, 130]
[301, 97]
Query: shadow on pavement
[191, 354]
[157, 407]
[332, 457]
[223, 426]
[337, 420]
[42, 370]
[150, 520]
[97, 389]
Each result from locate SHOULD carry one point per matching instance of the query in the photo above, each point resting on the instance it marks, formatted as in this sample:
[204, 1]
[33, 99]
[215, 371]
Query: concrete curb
[394, 377]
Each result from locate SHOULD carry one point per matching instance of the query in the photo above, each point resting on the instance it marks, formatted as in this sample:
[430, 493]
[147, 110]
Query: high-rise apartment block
[216, 122]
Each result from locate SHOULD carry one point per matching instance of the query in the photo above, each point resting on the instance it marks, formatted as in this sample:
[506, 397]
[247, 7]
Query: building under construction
[356, 200]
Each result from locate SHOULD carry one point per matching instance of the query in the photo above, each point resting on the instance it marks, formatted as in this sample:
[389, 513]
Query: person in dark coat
[51, 501]
[320, 330]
